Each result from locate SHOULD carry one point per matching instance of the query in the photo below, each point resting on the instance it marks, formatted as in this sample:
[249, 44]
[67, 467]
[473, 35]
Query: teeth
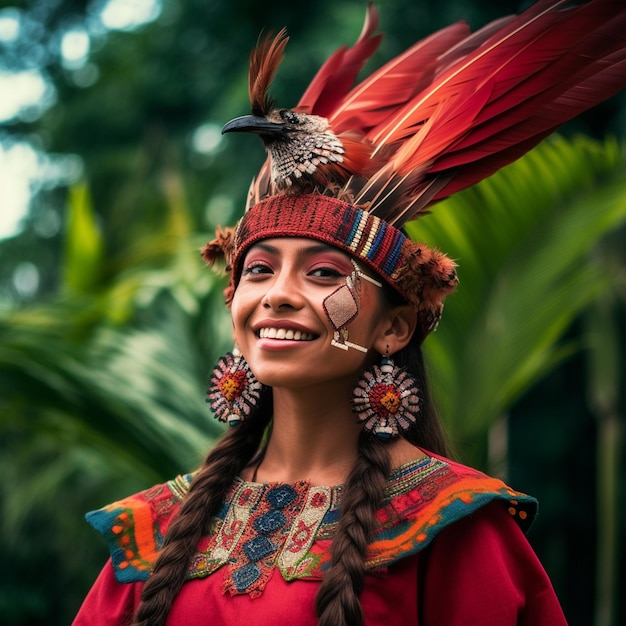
[281, 333]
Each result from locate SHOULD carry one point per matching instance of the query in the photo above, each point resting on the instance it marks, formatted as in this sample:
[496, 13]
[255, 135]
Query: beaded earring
[235, 394]
[386, 399]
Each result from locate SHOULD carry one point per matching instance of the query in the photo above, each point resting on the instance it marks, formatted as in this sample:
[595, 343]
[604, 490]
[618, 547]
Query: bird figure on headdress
[446, 113]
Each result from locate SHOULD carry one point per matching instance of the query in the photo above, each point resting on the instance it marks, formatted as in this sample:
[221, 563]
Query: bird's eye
[289, 116]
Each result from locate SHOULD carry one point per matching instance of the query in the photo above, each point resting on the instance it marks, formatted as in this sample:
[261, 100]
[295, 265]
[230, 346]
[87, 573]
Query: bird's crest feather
[264, 61]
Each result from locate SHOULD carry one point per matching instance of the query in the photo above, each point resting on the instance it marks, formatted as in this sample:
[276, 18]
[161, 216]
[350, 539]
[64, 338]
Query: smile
[282, 333]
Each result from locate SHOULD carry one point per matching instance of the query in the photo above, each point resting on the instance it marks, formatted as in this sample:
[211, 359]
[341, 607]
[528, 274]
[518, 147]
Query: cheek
[371, 310]
[239, 311]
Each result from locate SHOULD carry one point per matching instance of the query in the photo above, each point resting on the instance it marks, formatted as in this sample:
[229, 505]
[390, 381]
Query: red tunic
[449, 551]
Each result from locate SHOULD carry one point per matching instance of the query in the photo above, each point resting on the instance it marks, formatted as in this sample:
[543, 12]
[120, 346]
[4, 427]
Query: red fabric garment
[480, 571]
[108, 602]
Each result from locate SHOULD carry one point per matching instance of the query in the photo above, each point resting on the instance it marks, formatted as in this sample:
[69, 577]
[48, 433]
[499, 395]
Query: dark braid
[427, 430]
[206, 495]
[337, 600]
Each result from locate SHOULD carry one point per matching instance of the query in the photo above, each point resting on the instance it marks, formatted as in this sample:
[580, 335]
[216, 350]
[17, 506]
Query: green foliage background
[103, 365]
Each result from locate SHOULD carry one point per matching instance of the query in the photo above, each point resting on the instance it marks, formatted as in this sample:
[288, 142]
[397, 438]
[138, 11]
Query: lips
[285, 333]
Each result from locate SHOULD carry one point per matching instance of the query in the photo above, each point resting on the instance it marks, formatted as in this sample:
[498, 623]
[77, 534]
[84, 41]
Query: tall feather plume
[264, 61]
[454, 107]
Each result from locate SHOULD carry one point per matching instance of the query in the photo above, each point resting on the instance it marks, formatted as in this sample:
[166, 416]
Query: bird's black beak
[254, 124]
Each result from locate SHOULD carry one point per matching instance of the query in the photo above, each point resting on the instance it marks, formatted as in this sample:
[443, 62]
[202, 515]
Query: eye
[326, 272]
[289, 116]
[256, 269]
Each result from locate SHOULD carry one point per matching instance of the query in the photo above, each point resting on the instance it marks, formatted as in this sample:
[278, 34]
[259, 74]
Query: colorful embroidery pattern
[447, 492]
[295, 561]
[264, 527]
[134, 527]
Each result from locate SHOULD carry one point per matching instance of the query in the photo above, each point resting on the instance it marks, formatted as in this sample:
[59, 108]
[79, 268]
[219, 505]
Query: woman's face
[279, 320]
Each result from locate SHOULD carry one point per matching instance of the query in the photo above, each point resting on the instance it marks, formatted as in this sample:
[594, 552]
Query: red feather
[492, 105]
[337, 75]
[377, 97]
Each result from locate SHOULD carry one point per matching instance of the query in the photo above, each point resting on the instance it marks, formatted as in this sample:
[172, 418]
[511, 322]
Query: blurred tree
[101, 391]
[513, 350]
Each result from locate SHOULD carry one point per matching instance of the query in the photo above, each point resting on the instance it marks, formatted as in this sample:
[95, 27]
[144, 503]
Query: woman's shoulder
[430, 493]
[423, 480]
[134, 527]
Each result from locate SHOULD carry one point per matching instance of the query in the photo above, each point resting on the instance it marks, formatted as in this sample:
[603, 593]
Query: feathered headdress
[351, 165]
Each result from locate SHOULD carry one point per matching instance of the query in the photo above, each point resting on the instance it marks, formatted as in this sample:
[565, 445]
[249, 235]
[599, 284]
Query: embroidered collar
[262, 527]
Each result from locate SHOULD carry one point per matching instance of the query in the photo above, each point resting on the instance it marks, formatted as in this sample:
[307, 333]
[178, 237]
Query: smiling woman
[334, 488]
[312, 501]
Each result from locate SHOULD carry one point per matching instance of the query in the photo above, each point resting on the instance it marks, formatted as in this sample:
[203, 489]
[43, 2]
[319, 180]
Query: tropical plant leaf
[523, 241]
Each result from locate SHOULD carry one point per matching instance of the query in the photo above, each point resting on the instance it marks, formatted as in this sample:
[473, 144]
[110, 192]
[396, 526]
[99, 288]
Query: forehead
[296, 245]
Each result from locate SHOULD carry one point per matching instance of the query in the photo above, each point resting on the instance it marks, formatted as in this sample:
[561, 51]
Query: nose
[284, 292]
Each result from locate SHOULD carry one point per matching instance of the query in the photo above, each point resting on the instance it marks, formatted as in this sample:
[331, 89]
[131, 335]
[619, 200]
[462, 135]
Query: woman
[331, 499]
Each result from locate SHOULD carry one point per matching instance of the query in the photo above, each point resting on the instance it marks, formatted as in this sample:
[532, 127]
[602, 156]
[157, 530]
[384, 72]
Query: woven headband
[421, 275]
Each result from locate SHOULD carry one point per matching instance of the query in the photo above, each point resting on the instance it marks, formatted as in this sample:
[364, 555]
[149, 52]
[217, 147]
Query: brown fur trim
[220, 249]
[427, 276]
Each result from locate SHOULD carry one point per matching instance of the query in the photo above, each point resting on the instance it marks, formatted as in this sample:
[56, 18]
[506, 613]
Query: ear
[396, 329]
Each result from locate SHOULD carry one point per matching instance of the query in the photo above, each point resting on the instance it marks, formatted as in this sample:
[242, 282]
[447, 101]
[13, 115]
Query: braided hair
[337, 601]
[201, 504]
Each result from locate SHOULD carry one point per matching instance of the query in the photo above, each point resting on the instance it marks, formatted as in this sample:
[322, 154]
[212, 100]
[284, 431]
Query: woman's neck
[314, 437]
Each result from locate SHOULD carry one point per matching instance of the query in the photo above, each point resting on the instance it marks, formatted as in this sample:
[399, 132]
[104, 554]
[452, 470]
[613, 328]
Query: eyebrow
[313, 248]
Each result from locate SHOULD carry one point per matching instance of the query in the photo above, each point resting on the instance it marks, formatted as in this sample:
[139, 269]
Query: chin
[279, 376]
